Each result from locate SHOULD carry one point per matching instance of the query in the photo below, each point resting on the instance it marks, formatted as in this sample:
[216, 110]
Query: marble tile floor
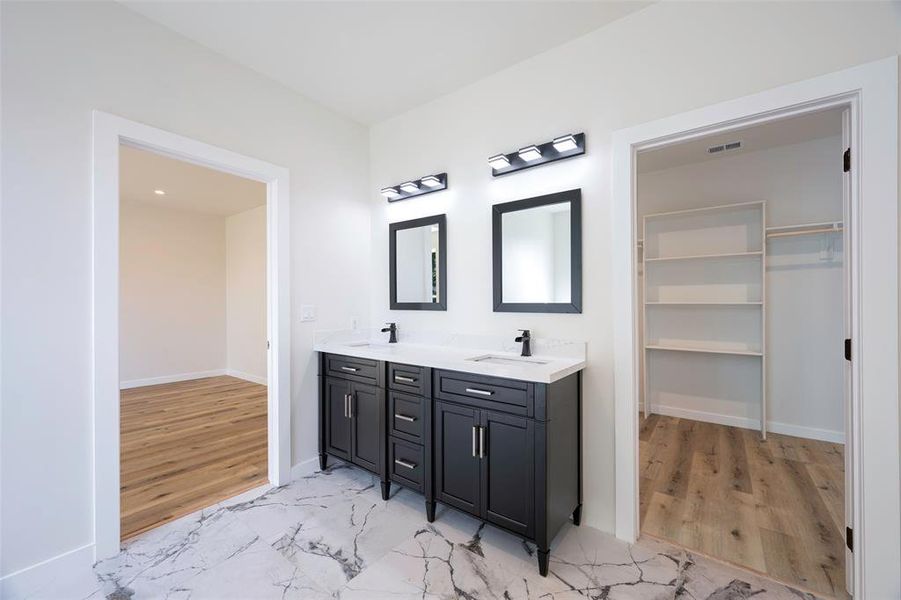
[329, 535]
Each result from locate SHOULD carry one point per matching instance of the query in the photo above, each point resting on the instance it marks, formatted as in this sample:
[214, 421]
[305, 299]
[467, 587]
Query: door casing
[870, 92]
[109, 132]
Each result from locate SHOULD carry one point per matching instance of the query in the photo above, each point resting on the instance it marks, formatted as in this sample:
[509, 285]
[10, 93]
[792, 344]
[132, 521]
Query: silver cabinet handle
[404, 379]
[350, 406]
[481, 442]
[404, 418]
[351, 369]
[404, 463]
[478, 391]
[475, 442]
[345, 406]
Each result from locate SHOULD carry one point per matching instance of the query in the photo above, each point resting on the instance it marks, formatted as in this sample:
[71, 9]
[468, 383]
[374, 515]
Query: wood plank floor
[188, 445]
[776, 507]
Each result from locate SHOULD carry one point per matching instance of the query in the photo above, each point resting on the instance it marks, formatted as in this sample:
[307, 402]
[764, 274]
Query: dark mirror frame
[574, 197]
[393, 228]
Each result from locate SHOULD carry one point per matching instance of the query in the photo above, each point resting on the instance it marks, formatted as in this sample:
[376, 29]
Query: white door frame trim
[871, 91]
[109, 131]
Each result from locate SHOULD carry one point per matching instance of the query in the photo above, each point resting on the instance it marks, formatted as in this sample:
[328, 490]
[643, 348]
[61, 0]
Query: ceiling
[188, 186]
[793, 130]
[373, 60]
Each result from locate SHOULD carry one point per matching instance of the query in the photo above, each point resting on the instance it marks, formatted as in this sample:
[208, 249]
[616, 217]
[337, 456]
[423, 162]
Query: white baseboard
[810, 433]
[247, 376]
[68, 575]
[133, 383]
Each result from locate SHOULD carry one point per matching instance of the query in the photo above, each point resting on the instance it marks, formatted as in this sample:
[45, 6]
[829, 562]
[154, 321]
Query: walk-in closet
[742, 319]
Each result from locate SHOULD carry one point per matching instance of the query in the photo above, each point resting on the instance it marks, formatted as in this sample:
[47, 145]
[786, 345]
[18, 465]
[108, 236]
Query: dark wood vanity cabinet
[503, 450]
[352, 402]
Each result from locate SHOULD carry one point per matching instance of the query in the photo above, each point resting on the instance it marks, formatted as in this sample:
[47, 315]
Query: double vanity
[469, 421]
[489, 433]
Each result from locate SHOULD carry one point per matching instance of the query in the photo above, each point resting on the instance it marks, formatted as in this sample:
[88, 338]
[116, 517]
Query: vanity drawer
[357, 369]
[508, 395]
[405, 463]
[406, 416]
[408, 378]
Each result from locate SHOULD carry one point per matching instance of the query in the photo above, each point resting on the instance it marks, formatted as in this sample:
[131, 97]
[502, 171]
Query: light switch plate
[307, 312]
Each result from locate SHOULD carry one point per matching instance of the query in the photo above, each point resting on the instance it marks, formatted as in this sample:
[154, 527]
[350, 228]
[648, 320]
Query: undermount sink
[366, 344]
[507, 360]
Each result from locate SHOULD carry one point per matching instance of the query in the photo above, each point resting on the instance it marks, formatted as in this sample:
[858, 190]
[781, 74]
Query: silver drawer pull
[404, 379]
[351, 369]
[405, 418]
[475, 442]
[404, 463]
[478, 391]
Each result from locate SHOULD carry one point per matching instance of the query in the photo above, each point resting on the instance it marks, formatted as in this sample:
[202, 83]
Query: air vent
[724, 147]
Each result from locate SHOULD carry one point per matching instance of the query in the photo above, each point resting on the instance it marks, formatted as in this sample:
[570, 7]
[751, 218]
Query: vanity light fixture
[529, 153]
[418, 187]
[499, 161]
[564, 146]
[390, 193]
[564, 143]
[159, 192]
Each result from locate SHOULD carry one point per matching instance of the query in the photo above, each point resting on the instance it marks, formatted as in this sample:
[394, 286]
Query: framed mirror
[537, 246]
[417, 257]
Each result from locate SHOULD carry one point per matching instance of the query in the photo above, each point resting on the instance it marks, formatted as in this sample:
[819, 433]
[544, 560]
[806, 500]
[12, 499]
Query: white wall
[663, 60]
[60, 61]
[245, 236]
[172, 292]
[801, 183]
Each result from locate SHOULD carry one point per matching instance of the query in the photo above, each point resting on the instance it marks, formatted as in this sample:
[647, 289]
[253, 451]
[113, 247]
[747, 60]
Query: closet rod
[804, 229]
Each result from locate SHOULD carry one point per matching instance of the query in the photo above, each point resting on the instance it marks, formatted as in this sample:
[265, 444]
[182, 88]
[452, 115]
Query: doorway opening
[743, 311]
[110, 135]
[192, 347]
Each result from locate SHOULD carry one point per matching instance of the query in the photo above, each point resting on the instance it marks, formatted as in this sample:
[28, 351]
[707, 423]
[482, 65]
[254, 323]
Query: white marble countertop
[551, 360]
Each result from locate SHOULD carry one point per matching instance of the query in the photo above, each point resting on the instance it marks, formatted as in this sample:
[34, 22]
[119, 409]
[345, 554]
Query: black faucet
[526, 339]
[392, 327]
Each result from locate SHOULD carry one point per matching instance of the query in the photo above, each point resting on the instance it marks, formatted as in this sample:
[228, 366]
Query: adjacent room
[457, 299]
[192, 351]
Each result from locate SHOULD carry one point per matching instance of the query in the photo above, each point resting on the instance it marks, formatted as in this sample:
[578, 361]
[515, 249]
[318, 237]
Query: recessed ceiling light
[499, 161]
[564, 143]
[390, 192]
[409, 187]
[430, 181]
[159, 192]
[530, 153]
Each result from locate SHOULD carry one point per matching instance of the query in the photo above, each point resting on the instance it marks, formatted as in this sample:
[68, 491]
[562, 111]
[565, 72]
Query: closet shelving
[703, 287]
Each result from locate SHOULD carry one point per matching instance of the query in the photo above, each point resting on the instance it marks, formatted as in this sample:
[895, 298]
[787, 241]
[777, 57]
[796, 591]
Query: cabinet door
[456, 464]
[508, 471]
[338, 425]
[368, 417]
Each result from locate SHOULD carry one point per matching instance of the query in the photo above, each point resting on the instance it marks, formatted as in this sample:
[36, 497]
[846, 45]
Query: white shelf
[706, 256]
[708, 290]
[703, 303]
[705, 209]
[704, 350]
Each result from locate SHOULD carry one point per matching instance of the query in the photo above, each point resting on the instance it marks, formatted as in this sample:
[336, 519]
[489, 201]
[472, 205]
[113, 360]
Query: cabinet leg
[430, 511]
[323, 461]
[577, 516]
[544, 557]
[386, 489]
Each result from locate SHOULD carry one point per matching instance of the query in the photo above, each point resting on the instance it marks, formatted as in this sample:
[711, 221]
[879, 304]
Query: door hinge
[846, 160]
[847, 348]
[267, 344]
[849, 538]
